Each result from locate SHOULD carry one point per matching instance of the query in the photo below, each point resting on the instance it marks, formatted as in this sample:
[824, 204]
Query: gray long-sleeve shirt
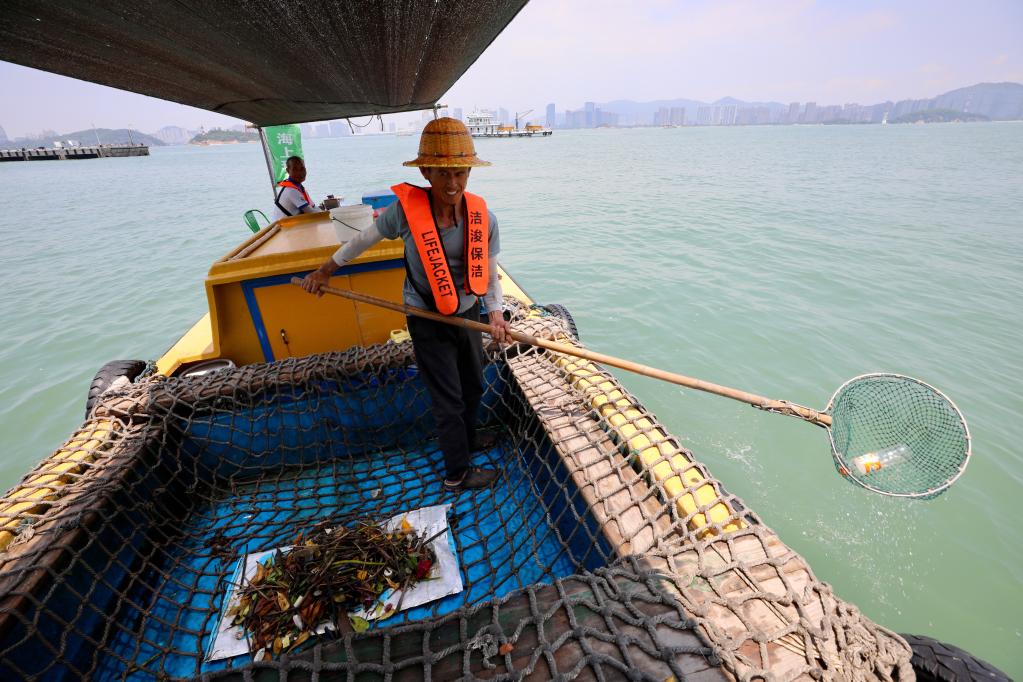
[392, 224]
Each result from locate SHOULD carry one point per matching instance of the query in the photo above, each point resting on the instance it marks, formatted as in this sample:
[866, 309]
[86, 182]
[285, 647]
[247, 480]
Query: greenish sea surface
[779, 260]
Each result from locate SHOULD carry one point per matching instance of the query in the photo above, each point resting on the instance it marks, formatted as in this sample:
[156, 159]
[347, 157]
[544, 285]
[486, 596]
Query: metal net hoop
[897, 435]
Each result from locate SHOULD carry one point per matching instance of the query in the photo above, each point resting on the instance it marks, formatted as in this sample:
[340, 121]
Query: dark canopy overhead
[264, 61]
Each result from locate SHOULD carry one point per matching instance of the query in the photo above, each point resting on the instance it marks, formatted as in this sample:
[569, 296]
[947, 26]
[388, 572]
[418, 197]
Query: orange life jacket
[476, 254]
[295, 186]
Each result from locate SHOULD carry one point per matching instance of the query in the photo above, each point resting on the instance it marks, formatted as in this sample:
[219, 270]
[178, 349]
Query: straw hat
[446, 143]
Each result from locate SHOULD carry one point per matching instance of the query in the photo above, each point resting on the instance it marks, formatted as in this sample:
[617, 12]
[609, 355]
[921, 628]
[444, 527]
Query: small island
[940, 116]
[218, 136]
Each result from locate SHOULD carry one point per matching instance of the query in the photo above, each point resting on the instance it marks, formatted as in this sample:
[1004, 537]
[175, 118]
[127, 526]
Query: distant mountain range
[174, 135]
[996, 101]
[89, 137]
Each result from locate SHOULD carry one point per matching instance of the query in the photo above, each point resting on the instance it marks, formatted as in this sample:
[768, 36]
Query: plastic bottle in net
[875, 461]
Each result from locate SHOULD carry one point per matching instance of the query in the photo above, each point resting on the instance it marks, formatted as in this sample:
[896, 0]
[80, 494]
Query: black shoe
[473, 479]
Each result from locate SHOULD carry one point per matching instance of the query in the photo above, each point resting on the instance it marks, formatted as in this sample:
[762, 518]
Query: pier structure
[64, 153]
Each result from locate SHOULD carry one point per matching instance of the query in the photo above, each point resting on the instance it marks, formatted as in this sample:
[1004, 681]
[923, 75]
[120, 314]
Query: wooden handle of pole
[753, 399]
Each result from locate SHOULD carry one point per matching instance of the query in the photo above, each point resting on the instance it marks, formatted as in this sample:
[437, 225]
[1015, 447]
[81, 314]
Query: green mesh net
[897, 435]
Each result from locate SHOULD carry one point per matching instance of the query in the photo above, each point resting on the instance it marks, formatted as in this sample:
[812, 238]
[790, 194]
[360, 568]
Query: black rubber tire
[561, 311]
[935, 661]
[106, 376]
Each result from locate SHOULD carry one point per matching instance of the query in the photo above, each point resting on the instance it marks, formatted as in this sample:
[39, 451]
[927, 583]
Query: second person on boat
[451, 243]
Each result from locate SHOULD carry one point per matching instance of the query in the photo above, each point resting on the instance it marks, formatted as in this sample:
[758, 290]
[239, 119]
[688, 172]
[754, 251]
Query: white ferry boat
[481, 123]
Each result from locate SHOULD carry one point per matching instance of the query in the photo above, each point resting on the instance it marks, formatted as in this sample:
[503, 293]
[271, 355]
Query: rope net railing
[604, 551]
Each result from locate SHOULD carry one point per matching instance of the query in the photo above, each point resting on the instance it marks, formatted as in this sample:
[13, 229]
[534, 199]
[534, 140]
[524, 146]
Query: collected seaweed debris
[323, 577]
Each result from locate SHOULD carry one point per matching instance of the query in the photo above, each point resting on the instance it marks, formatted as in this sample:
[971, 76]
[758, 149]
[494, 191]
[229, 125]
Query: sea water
[778, 260]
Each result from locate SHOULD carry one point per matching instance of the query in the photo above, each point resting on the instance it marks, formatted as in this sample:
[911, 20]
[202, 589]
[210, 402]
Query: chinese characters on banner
[280, 142]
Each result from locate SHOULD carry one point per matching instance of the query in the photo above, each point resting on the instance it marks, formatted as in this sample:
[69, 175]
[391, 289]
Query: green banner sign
[280, 142]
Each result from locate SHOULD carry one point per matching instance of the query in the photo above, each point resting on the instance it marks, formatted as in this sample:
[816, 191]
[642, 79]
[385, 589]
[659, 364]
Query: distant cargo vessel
[482, 124]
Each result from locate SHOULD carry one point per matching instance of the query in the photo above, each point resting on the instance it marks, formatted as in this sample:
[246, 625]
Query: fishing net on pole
[897, 435]
[605, 550]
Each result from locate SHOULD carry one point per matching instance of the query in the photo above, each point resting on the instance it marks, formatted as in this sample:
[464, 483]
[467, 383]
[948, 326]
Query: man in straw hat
[451, 241]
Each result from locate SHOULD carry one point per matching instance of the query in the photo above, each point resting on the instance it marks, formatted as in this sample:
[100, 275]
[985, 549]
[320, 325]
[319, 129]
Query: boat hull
[601, 539]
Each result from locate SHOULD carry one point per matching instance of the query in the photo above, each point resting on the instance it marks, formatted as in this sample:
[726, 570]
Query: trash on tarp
[444, 579]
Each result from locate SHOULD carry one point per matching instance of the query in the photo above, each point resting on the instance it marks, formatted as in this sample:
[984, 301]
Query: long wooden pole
[758, 401]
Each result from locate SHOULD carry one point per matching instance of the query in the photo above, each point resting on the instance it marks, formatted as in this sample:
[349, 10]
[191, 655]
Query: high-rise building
[3, 136]
[922, 105]
[677, 117]
[552, 115]
[576, 119]
[704, 115]
[605, 118]
[830, 113]
[793, 115]
[810, 113]
[457, 113]
[752, 116]
[662, 117]
[502, 115]
[726, 115]
[590, 109]
[879, 111]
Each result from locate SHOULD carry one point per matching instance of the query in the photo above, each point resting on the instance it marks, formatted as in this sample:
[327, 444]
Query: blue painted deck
[263, 474]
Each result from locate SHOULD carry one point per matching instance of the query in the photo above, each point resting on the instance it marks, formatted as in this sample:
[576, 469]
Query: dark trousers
[450, 362]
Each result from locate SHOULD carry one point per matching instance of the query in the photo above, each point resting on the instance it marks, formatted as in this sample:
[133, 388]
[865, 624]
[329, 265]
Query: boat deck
[506, 538]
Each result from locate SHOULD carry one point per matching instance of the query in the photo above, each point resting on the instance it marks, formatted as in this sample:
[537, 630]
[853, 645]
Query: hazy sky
[570, 51]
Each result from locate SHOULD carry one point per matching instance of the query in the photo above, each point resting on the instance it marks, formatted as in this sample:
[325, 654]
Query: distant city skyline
[997, 101]
[575, 51]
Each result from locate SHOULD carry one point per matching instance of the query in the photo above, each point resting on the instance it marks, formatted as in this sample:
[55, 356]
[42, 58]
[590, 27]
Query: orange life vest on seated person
[476, 254]
[295, 186]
